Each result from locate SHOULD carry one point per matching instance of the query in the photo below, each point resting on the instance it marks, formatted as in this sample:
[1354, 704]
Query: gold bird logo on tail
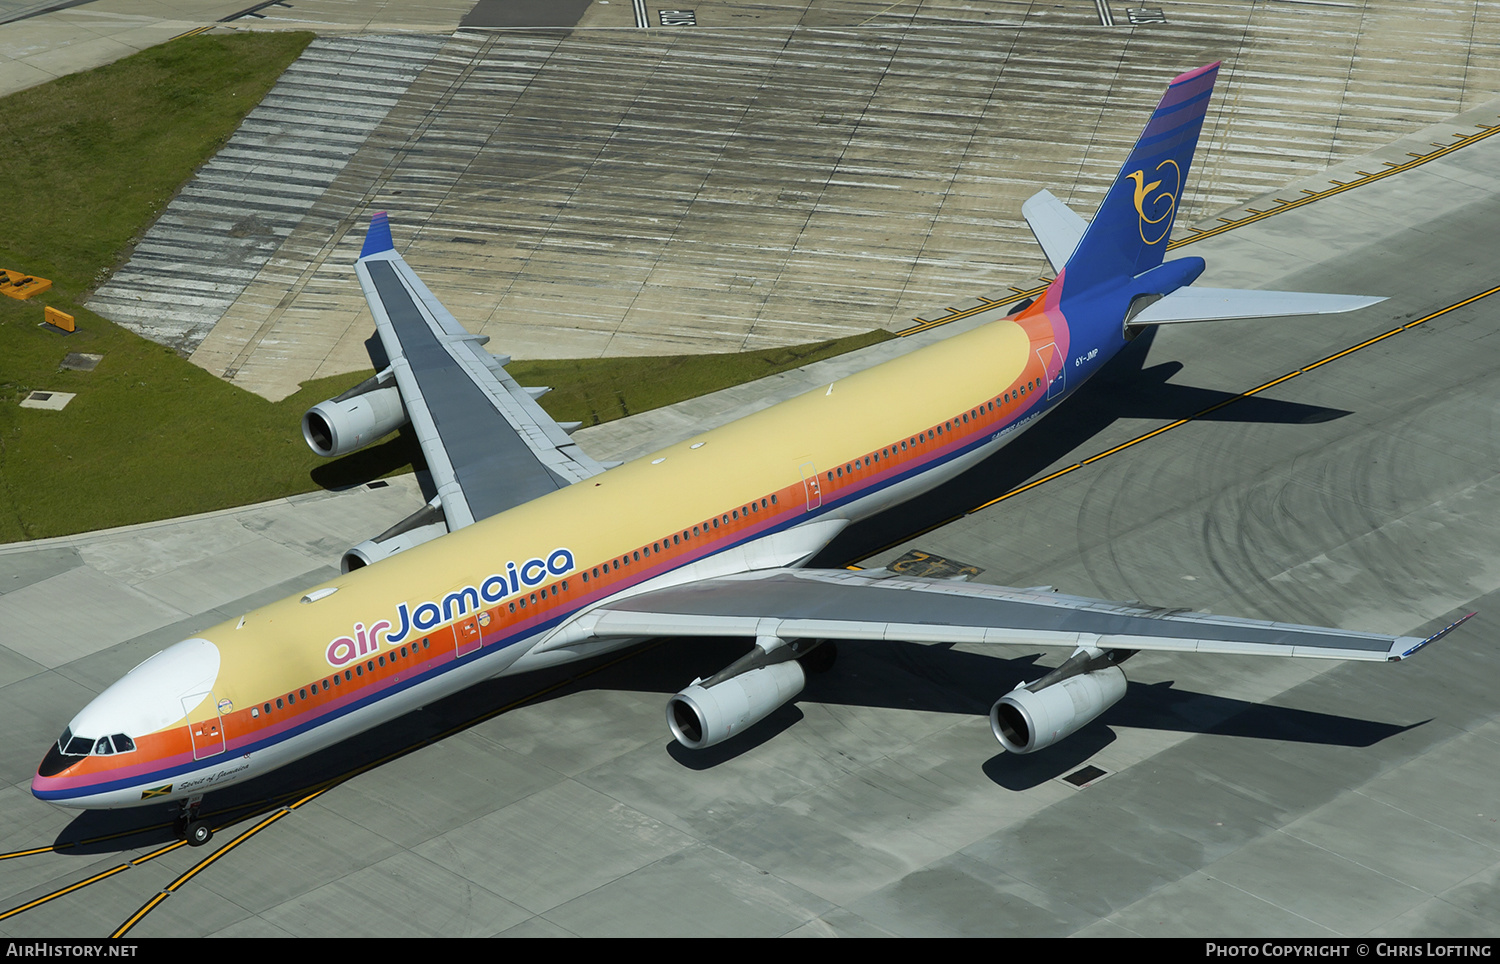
[1143, 192]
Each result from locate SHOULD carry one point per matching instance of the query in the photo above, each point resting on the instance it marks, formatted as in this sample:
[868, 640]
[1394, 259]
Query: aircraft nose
[53, 764]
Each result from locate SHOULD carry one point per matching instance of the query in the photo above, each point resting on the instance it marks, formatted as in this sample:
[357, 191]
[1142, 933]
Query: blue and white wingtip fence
[1436, 636]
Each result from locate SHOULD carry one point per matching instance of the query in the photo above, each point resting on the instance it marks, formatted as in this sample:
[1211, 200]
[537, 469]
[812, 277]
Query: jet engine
[742, 694]
[424, 525]
[701, 717]
[356, 418]
[1037, 715]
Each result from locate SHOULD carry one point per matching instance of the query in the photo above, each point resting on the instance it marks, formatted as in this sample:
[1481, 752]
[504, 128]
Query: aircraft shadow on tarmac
[1124, 389]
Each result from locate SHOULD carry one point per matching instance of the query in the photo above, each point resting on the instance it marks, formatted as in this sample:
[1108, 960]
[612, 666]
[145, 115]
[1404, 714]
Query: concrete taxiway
[1236, 796]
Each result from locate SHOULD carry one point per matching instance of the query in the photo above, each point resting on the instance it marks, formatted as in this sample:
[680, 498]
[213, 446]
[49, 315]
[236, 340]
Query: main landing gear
[821, 658]
[189, 827]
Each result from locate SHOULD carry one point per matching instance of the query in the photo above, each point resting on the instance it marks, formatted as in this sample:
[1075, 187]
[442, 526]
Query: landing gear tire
[821, 658]
[198, 833]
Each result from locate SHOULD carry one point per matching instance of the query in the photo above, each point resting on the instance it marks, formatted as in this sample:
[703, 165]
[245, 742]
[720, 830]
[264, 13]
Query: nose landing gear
[188, 826]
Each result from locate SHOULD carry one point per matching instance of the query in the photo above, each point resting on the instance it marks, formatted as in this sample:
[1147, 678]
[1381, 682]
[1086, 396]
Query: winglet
[1435, 636]
[379, 237]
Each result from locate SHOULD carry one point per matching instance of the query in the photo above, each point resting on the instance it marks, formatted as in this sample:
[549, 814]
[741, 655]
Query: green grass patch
[91, 160]
[150, 435]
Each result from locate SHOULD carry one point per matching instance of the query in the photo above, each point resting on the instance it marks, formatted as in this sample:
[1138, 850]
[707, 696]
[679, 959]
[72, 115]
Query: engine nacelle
[1025, 721]
[702, 717]
[372, 551]
[424, 525]
[353, 420]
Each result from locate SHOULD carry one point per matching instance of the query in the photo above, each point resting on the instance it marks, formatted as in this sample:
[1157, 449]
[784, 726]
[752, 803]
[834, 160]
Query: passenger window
[279, 703]
[268, 708]
[382, 659]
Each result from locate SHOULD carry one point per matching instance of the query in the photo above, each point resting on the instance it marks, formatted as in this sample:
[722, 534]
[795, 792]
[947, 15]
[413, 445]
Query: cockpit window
[70, 745]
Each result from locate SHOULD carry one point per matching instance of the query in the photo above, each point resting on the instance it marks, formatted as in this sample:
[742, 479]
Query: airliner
[533, 554]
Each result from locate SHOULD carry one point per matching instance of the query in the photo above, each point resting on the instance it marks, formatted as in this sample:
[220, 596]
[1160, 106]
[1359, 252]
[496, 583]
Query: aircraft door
[207, 735]
[810, 486]
[1052, 363]
[468, 635]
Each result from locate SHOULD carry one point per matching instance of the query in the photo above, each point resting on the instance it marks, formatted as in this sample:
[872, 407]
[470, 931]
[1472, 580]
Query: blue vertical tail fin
[1130, 233]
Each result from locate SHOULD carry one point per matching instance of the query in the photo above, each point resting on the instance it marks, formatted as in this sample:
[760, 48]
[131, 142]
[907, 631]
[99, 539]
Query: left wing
[811, 603]
[487, 442]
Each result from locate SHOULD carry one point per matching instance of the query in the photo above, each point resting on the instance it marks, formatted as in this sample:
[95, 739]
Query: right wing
[487, 442]
[837, 604]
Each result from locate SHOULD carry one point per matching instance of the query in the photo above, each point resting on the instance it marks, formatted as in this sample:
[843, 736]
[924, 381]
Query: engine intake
[1026, 720]
[703, 716]
[354, 419]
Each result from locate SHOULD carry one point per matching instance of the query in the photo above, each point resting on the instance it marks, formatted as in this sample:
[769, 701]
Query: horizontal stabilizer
[1057, 227]
[1226, 304]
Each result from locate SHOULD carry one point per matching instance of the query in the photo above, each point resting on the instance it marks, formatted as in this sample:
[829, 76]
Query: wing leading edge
[487, 442]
